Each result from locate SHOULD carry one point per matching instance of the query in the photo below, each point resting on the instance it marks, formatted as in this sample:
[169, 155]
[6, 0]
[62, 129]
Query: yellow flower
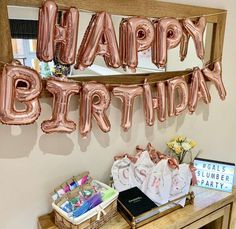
[170, 145]
[178, 150]
[192, 143]
[180, 138]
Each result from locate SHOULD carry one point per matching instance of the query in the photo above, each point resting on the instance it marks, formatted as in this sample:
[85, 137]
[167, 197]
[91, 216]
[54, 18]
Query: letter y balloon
[215, 76]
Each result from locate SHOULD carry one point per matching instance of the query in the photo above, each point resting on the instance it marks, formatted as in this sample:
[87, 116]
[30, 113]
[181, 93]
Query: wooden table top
[205, 202]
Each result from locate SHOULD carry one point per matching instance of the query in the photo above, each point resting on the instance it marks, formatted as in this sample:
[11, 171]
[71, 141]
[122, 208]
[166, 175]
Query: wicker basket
[90, 223]
[94, 218]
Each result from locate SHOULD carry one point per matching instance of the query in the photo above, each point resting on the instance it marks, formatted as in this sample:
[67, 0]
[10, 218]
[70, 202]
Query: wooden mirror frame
[147, 8]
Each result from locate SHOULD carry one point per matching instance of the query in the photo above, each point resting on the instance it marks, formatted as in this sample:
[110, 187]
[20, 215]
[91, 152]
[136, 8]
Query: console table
[211, 210]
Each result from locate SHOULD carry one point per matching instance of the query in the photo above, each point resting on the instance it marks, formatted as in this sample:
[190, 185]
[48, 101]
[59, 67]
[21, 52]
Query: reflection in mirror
[175, 64]
[24, 48]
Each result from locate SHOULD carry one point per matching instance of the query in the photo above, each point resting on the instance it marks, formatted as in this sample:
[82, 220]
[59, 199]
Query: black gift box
[136, 207]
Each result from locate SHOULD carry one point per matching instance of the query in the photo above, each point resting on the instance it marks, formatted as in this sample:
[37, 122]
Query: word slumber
[95, 98]
[136, 34]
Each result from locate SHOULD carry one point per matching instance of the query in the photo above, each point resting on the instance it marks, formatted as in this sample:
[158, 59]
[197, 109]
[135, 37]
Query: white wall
[32, 163]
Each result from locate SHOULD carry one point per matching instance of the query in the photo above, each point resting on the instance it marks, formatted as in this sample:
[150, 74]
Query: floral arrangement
[179, 146]
[59, 70]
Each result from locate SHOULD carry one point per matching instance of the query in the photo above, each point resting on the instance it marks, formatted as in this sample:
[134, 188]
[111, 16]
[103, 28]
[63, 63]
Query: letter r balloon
[95, 100]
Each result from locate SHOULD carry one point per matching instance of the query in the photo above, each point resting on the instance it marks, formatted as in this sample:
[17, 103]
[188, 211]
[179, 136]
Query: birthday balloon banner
[136, 34]
[95, 98]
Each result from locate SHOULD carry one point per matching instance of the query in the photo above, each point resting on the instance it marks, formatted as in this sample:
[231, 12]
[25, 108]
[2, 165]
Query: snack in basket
[87, 190]
[90, 203]
[74, 193]
[106, 193]
[65, 187]
[82, 178]
[60, 191]
[72, 184]
[79, 201]
[54, 195]
[65, 205]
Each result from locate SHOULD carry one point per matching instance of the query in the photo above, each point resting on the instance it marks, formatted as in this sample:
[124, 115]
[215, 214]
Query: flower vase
[187, 158]
[184, 157]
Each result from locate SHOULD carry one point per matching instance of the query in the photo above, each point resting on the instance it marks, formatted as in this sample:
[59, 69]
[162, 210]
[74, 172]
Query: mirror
[25, 50]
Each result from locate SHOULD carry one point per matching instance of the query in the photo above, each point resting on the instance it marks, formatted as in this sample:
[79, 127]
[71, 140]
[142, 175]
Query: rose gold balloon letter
[196, 31]
[62, 91]
[161, 101]
[198, 89]
[137, 34]
[148, 104]
[182, 87]
[11, 91]
[158, 102]
[94, 102]
[50, 33]
[127, 95]
[216, 77]
[183, 50]
[168, 33]
[99, 39]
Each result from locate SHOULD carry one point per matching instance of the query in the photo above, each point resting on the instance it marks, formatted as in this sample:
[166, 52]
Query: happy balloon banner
[95, 98]
[136, 34]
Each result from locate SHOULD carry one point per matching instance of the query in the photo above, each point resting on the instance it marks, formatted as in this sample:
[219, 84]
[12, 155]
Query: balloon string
[207, 64]
[204, 15]
[192, 17]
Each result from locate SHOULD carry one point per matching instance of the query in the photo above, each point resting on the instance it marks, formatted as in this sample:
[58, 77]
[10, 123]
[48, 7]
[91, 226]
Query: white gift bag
[157, 185]
[138, 171]
[181, 179]
[120, 173]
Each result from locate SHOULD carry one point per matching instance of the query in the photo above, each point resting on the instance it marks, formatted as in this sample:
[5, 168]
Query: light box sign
[214, 174]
